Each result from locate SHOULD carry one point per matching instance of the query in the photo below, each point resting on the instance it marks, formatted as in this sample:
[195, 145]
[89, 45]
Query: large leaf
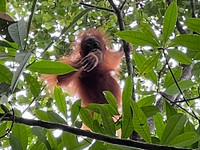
[189, 127]
[149, 64]
[185, 139]
[196, 69]
[170, 110]
[3, 5]
[177, 72]
[86, 117]
[149, 111]
[173, 128]
[140, 123]
[70, 142]
[52, 140]
[146, 29]
[189, 41]
[18, 32]
[108, 122]
[137, 38]
[139, 60]
[51, 67]
[183, 84]
[146, 101]
[41, 134]
[41, 115]
[170, 20]
[112, 101]
[54, 117]
[19, 138]
[38, 146]
[5, 44]
[19, 71]
[127, 124]
[5, 74]
[60, 100]
[193, 24]
[75, 110]
[33, 85]
[179, 56]
[159, 124]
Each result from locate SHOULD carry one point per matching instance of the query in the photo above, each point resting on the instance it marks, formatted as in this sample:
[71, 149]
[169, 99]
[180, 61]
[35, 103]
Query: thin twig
[189, 99]
[122, 6]
[191, 114]
[193, 9]
[181, 92]
[96, 7]
[34, 99]
[29, 22]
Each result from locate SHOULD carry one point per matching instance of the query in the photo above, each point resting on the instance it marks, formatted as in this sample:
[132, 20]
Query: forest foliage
[159, 79]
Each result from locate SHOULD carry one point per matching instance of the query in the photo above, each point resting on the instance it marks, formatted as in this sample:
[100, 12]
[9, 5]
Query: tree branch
[126, 46]
[112, 140]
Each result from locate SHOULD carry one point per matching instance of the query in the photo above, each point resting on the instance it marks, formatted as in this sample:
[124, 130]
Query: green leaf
[33, 84]
[149, 64]
[185, 139]
[51, 67]
[146, 29]
[41, 134]
[137, 38]
[140, 123]
[177, 72]
[41, 115]
[173, 128]
[112, 101]
[19, 71]
[139, 60]
[189, 41]
[38, 146]
[19, 138]
[152, 76]
[159, 124]
[75, 20]
[193, 24]
[170, 110]
[5, 74]
[15, 142]
[18, 32]
[149, 111]
[97, 127]
[183, 84]
[189, 127]
[52, 140]
[53, 117]
[196, 69]
[179, 56]
[146, 101]
[86, 117]
[60, 100]
[69, 140]
[170, 20]
[108, 122]
[3, 127]
[5, 44]
[127, 124]
[75, 110]
[3, 5]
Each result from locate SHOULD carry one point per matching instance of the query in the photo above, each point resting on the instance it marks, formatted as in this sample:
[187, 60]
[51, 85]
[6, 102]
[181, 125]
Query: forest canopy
[158, 76]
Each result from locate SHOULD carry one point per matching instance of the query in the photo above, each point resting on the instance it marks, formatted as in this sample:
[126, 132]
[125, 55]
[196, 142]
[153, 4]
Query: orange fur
[89, 85]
